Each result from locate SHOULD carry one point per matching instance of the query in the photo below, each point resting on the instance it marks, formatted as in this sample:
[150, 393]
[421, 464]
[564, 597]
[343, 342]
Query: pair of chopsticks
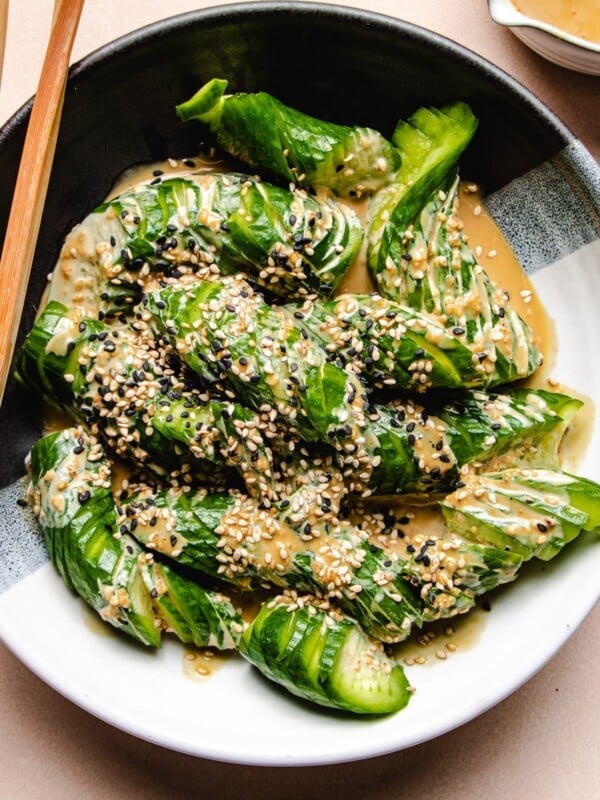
[34, 173]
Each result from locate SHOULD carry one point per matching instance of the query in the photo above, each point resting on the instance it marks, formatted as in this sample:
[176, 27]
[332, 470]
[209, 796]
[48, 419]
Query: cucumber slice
[266, 134]
[430, 144]
[78, 518]
[324, 656]
[365, 679]
[532, 513]
[106, 566]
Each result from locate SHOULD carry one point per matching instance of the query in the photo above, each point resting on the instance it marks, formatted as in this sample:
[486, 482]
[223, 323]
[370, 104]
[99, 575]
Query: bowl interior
[344, 65]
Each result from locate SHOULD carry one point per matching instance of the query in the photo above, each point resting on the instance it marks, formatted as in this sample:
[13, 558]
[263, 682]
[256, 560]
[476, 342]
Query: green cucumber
[72, 498]
[531, 512]
[324, 656]
[295, 147]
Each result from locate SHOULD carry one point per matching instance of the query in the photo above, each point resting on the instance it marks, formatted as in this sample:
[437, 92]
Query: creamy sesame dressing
[441, 641]
[525, 510]
[50, 495]
[448, 570]
[439, 273]
[581, 19]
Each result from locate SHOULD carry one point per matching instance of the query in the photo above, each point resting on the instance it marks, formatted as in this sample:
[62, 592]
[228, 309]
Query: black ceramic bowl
[345, 65]
[342, 64]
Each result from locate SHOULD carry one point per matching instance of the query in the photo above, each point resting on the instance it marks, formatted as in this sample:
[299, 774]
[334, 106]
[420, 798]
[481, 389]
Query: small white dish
[548, 41]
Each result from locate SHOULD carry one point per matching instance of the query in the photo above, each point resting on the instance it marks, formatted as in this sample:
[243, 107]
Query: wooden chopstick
[3, 26]
[32, 179]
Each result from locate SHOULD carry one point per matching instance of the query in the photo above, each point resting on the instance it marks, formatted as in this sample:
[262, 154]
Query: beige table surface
[541, 742]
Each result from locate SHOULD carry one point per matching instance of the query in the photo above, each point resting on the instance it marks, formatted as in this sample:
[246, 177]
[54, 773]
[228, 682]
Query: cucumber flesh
[366, 679]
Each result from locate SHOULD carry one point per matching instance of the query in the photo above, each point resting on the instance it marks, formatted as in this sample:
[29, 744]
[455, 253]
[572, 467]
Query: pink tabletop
[541, 742]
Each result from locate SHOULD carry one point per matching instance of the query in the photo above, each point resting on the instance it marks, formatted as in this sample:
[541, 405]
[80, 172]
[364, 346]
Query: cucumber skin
[97, 562]
[302, 651]
[81, 542]
[445, 134]
[291, 145]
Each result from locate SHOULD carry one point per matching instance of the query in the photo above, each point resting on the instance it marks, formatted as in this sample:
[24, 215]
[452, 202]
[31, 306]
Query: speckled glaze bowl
[347, 66]
[548, 41]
